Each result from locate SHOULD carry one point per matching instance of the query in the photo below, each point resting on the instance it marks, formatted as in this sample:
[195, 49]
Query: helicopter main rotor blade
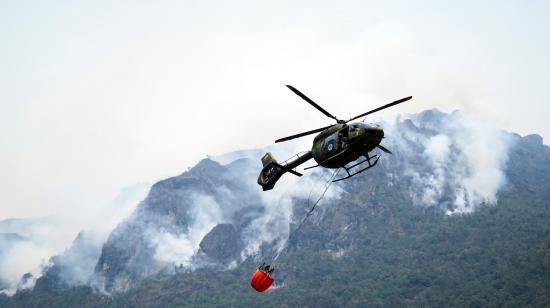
[302, 134]
[380, 108]
[312, 103]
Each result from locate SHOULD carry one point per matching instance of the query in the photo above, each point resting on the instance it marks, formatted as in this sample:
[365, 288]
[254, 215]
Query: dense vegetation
[498, 256]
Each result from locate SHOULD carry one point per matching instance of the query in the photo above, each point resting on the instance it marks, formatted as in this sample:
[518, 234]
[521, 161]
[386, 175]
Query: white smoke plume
[38, 240]
[454, 162]
[170, 248]
[46, 237]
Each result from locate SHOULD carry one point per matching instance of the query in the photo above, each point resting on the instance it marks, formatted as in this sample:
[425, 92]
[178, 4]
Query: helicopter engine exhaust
[272, 170]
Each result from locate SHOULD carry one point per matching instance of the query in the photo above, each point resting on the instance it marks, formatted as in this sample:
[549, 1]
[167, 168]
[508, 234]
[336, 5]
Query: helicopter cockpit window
[353, 130]
[343, 138]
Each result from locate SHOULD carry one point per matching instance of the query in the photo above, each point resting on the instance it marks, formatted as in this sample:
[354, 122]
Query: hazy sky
[99, 95]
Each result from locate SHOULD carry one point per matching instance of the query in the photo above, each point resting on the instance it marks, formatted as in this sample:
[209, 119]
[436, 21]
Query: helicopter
[338, 145]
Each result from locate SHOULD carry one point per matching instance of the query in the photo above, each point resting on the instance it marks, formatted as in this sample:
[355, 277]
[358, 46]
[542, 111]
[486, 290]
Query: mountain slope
[399, 255]
[413, 231]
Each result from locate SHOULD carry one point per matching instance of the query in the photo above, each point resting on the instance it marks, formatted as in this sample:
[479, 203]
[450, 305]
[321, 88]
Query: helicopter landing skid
[367, 159]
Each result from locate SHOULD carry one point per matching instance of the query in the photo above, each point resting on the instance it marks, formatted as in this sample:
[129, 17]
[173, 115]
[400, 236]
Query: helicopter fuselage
[334, 147]
[343, 143]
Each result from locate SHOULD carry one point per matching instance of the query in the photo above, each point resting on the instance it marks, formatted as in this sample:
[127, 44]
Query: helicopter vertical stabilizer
[268, 158]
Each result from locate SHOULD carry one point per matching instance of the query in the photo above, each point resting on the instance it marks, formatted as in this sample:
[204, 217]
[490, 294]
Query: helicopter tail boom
[272, 170]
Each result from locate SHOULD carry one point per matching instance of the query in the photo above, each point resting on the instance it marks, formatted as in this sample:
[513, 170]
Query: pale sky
[99, 95]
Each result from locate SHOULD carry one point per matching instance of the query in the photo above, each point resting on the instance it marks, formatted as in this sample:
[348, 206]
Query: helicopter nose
[375, 132]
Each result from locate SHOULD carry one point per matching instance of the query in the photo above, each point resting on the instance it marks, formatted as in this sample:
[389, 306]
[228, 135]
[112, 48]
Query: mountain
[24, 243]
[457, 216]
[178, 210]
[74, 267]
[50, 255]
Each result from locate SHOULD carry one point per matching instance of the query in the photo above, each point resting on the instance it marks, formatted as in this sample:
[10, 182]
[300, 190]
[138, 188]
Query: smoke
[263, 219]
[75, 266]
[33, 242]
[170, 248]
[30, 258]
[42, 243]
[297, 195]
[283, 206]
[453, 162]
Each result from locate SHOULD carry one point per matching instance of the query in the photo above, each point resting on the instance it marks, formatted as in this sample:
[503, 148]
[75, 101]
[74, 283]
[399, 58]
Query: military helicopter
[336, 146]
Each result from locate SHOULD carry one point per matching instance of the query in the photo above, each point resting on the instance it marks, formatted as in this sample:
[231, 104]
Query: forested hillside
[370, 246]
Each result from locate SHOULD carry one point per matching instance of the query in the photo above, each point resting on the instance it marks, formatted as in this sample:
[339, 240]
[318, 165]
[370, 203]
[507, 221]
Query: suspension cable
[292, 233]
